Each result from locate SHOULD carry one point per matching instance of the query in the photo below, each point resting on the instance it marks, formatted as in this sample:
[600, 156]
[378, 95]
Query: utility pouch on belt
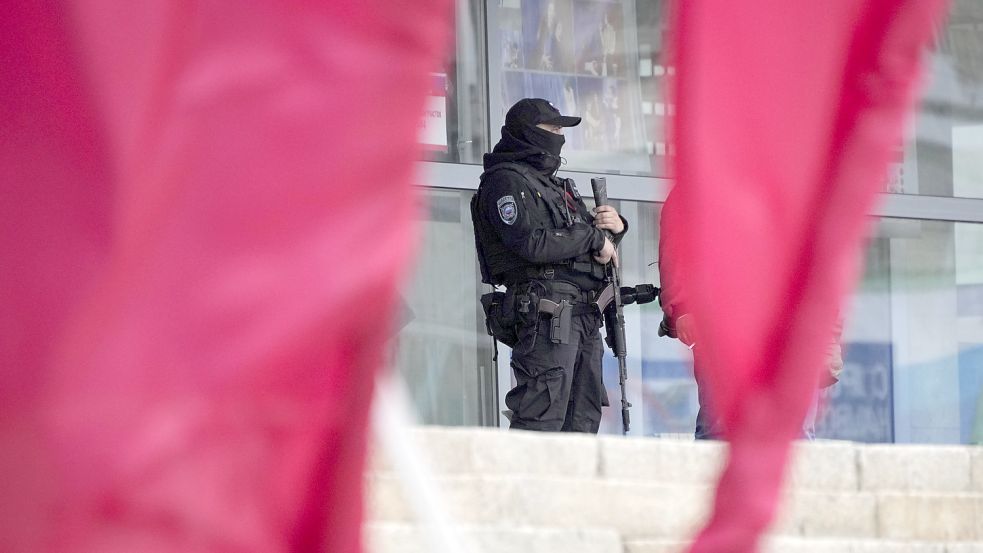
[500, 317]
[561, 316]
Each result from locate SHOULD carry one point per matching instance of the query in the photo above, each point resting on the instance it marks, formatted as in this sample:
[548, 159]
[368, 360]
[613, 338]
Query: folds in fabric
[787, 114]
[206, 209]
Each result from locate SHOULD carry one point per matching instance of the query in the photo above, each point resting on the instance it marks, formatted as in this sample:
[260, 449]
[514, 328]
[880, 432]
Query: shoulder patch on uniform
[507, 209]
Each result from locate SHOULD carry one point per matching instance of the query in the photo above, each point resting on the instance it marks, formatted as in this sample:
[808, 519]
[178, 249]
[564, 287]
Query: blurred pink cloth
[206, 209]
[787, 116]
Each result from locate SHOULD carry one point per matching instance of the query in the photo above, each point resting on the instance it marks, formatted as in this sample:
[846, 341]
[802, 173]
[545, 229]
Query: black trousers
[559, 387]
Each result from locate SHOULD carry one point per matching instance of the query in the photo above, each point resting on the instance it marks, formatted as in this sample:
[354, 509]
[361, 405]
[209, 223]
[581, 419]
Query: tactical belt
[576, 271]
[579, 308]
[562, 312]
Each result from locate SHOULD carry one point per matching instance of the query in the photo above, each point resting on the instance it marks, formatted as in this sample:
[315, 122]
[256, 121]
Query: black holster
[521, 305]
[561, 316]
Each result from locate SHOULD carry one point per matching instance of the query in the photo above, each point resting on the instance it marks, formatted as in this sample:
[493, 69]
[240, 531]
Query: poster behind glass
[574, 54]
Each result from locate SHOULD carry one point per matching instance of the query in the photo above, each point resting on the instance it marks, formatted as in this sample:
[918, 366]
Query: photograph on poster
[510, 31]
[512, 57]
[547, 29]
[616, 120]
[568, 104]
[599, 39]
[589, 98]
[574, 54]
[607, 122]
[549, 87]
[560, 91]
[515, 86]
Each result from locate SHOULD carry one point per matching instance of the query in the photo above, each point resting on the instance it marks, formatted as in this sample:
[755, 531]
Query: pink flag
[206, 208]
[787, 115]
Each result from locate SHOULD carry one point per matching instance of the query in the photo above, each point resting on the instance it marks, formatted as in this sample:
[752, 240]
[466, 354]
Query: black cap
[533, 111]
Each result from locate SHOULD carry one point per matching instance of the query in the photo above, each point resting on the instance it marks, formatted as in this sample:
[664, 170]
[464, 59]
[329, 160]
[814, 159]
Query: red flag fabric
[787, 115]
[206, 209]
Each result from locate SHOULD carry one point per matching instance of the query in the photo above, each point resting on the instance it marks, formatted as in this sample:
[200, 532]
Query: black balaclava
[550, 142]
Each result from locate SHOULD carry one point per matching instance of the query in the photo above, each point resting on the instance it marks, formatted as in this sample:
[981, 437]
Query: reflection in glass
[584, 57]
[913, 345]
[453, 125]
[442, 350]
[913, 339]
[943, 158]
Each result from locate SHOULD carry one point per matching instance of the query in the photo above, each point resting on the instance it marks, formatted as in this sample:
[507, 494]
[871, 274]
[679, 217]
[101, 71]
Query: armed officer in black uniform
[536, 237]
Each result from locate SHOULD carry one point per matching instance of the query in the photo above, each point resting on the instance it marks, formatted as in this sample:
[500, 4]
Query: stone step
[637, 510]
[783, 544]
[409, 538]
[824, 466]
[645, 509]
[389, 537]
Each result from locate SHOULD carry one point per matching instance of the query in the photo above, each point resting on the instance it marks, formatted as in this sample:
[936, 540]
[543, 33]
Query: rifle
[614, 315]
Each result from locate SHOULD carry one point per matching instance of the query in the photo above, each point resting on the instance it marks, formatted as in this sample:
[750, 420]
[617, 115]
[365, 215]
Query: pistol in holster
[561, 318]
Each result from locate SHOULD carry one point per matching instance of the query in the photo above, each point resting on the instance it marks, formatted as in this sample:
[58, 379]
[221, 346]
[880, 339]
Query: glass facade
[442, 349]
[583, 57]
[942, 157]
[913, 340]
[454, 124]
[596, 59]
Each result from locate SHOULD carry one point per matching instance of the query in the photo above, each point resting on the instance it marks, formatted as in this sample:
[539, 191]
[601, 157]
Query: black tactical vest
[498, 264]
